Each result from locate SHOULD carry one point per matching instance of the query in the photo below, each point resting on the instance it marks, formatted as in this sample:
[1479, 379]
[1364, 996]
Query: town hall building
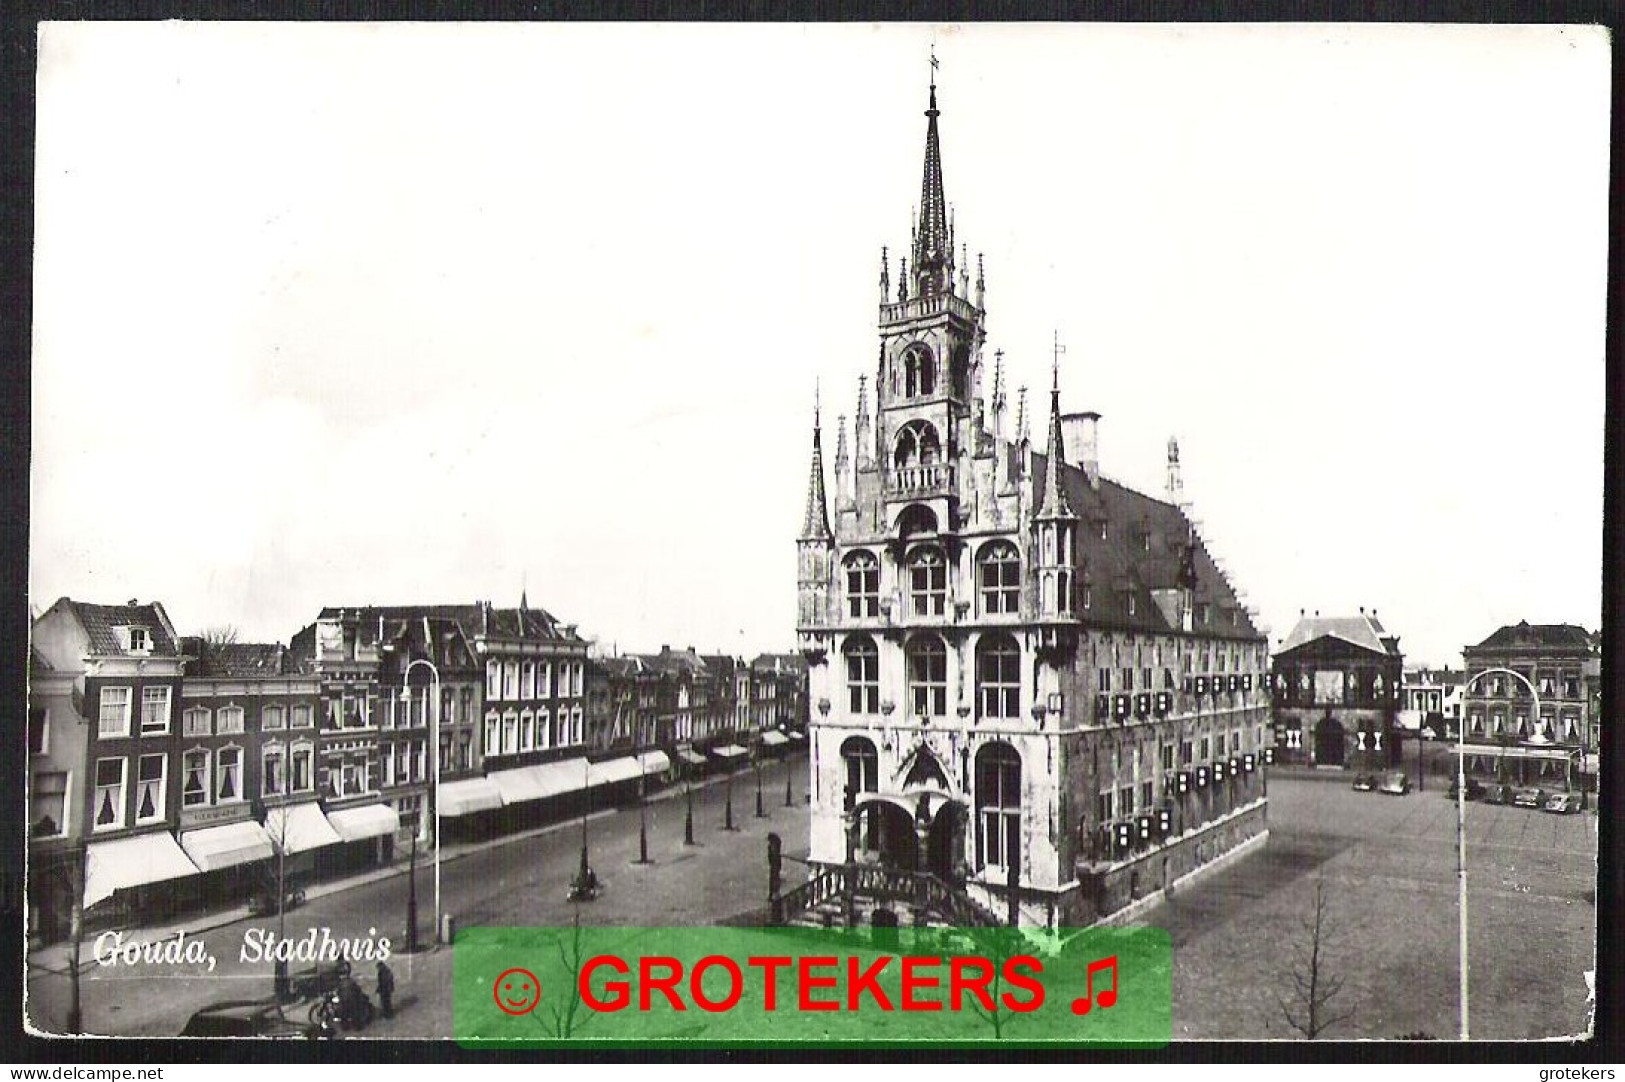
[1021, 671]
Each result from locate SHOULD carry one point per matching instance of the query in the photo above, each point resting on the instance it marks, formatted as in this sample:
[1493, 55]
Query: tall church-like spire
[933, 253]
[815, 526]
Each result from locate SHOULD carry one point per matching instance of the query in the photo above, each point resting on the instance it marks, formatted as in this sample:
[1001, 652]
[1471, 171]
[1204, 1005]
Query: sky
[351, 314]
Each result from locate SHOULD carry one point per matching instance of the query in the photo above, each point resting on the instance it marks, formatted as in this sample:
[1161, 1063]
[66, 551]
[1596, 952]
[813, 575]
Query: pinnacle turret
[933, 246]
[815, 524]
[1053, 503]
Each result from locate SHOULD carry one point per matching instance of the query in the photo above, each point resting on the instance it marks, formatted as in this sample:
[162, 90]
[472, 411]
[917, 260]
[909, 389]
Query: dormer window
[139, 641]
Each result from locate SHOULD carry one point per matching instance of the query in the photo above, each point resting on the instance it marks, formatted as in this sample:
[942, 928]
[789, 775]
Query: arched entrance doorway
[945, 842]
[892, 831]
[1330, 744]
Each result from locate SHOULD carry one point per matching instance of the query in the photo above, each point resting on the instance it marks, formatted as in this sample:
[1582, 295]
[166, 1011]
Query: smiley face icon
[517, 991]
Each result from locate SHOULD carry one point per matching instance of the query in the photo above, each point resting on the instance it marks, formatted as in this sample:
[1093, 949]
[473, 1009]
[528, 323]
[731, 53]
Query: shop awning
[654, 762]
[517, 785]
[227, 845]
[132, 862]
[467, 796]
[300, 827]
[728, 751]
[612, 771]
[798, 736]
[773, 738]
[692, 758]
[564, 776]
[367, 821]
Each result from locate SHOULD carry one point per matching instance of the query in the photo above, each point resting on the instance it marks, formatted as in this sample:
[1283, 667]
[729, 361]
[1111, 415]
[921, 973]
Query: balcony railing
[922, 307]
[922, 480]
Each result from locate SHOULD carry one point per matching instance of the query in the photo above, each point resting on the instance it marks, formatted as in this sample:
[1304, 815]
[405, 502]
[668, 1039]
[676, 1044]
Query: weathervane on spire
[1055, 365]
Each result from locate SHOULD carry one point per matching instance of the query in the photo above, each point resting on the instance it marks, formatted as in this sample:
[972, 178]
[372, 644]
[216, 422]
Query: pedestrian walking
[386, 990]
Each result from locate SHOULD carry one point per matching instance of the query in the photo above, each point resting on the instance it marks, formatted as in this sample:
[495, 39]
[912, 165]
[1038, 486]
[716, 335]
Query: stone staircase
[914, 899]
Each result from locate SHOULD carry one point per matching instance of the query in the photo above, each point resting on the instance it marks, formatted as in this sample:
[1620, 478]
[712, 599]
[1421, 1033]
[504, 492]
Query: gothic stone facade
[1018, 667]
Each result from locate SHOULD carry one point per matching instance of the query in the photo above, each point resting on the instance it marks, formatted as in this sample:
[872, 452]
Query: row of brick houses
[166, 771]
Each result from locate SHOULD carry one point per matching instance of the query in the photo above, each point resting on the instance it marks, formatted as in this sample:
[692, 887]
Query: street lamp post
[1461, 821]
[756, 762]
[643, 814]
[688, 805]
[789, 775]
[434, 784]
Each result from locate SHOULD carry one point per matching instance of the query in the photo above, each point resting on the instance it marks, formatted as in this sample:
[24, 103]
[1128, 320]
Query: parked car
[1365, 783]
[1528, 797]
[249, 1018]
[1395, 782]
[1475, 789]
[1563, 803]
[1497, 794]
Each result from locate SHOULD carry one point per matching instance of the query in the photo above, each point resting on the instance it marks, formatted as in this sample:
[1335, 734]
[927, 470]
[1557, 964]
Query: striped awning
[227, 845]
[467, 796]
[367, 821]
[132, 862]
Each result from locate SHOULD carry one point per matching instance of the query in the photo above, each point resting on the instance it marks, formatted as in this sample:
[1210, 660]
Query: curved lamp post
[434, 785]
[1461, 818]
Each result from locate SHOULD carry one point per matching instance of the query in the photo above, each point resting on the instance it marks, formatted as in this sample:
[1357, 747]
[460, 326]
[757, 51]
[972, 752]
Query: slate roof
[237, 659]
[1525, 634]
[779, 663]
[100, 620]
[1121, 564]
[476, 619]
[1362, 631]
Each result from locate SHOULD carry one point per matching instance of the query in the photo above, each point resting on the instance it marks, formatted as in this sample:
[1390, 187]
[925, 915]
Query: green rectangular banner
[578, 986]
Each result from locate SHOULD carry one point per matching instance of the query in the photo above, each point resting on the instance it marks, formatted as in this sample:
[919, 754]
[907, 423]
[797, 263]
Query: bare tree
[997, 945]
[1308, 1008]
[219, 635]
[566, 1013]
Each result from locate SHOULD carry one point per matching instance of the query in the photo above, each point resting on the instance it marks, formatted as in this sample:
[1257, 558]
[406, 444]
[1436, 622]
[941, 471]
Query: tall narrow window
[927, 676]
[195, 722]
[998, 676]
[228, 772]
[273, 718]
[273, 777]
[154, 710]
[195, 778]
[113, 718]
[492, 740]
[998, 805]
[862, 674]
[999, 572]
[928, 582]
[862, 586]
[493, 680]
[151, 772]
[299, 779]
[110, 793]
[862, 775]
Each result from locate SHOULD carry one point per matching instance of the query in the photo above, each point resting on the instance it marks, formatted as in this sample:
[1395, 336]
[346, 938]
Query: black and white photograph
[825, 476]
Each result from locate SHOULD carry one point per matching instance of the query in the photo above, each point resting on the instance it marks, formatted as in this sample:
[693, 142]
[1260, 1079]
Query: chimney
[1081, 442]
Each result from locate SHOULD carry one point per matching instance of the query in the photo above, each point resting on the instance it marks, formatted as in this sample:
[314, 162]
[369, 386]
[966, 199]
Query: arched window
[998, 805]
[927, 676]
[862, 586]
[862, 674]
[928, 582]
[862, 770]
[998, 676]
[919, 371]
[917, 444]
[999, 574]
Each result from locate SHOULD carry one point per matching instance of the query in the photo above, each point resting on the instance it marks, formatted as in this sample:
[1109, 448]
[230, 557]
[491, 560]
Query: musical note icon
[1107, 997]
